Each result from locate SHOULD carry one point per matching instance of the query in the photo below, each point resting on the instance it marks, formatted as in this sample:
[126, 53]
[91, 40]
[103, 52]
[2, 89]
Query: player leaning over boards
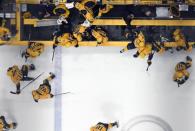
[63, 35]
[144, 49]
[18, 75]
[181, 74]
[44, 90]
[86, 12]
[104, 126]
[79, 32]
[34, 50]
[5, 33]
[100, 35]
[131, 34]
[66, 40]
[4, 126]
[104, 9]
[181, 41]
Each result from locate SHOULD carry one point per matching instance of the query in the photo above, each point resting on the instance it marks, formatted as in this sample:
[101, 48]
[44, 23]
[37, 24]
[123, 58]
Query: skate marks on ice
[111, 111]
[147, 118]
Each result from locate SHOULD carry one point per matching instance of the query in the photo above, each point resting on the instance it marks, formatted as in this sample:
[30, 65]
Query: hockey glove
[135, 55]
[54, 46]
[77, 45]
[149, 62]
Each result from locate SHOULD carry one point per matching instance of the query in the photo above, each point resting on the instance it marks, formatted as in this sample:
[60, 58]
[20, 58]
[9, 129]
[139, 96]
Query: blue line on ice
[58, 89]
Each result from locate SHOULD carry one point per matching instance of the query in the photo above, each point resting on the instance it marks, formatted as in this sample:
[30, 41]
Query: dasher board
[144, 22]
[83, 43]
[29, 1]
[41, 23]
[143, 2]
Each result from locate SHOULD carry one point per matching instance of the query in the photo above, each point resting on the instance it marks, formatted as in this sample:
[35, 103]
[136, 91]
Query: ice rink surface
[106, 86]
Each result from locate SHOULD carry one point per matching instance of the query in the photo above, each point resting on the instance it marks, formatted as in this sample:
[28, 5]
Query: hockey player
[180, 41]
[100, 35]
[86, 12]
[44, 90]
[128, 19]
[4, 34]
[61, 10]
[78, 32]
[18, 75]
[64, 27]
[143, 48]
[104, 126]
[181, 74]
[4, 126]
[34, 49]
[66, 40]
[146, 49]
[104, 9]
[132, 36]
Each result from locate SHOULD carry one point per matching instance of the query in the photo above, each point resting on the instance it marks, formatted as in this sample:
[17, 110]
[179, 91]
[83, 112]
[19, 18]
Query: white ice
[105, 85]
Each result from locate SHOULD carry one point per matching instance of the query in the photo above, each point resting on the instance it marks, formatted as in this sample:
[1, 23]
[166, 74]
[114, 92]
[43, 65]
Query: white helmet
[61, 18]
[86, 23]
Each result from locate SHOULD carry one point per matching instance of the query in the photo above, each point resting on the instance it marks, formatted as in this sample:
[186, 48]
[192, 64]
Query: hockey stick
[28, 83]
[54, 46]
[53, 54]
[32, 80]
[147, 68]
[13, 92]
[61, 94]
[178, 85]
[151, 59]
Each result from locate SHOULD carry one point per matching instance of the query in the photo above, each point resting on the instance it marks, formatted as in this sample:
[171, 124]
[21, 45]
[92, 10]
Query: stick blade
[62, 93]
[32, 80]
[13, 92]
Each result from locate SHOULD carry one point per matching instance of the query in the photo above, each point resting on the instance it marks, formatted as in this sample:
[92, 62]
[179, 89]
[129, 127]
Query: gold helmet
[141, 36]
[9, 71]
[177, 38]
[61, 10]
[180, 66]
[177, 32]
